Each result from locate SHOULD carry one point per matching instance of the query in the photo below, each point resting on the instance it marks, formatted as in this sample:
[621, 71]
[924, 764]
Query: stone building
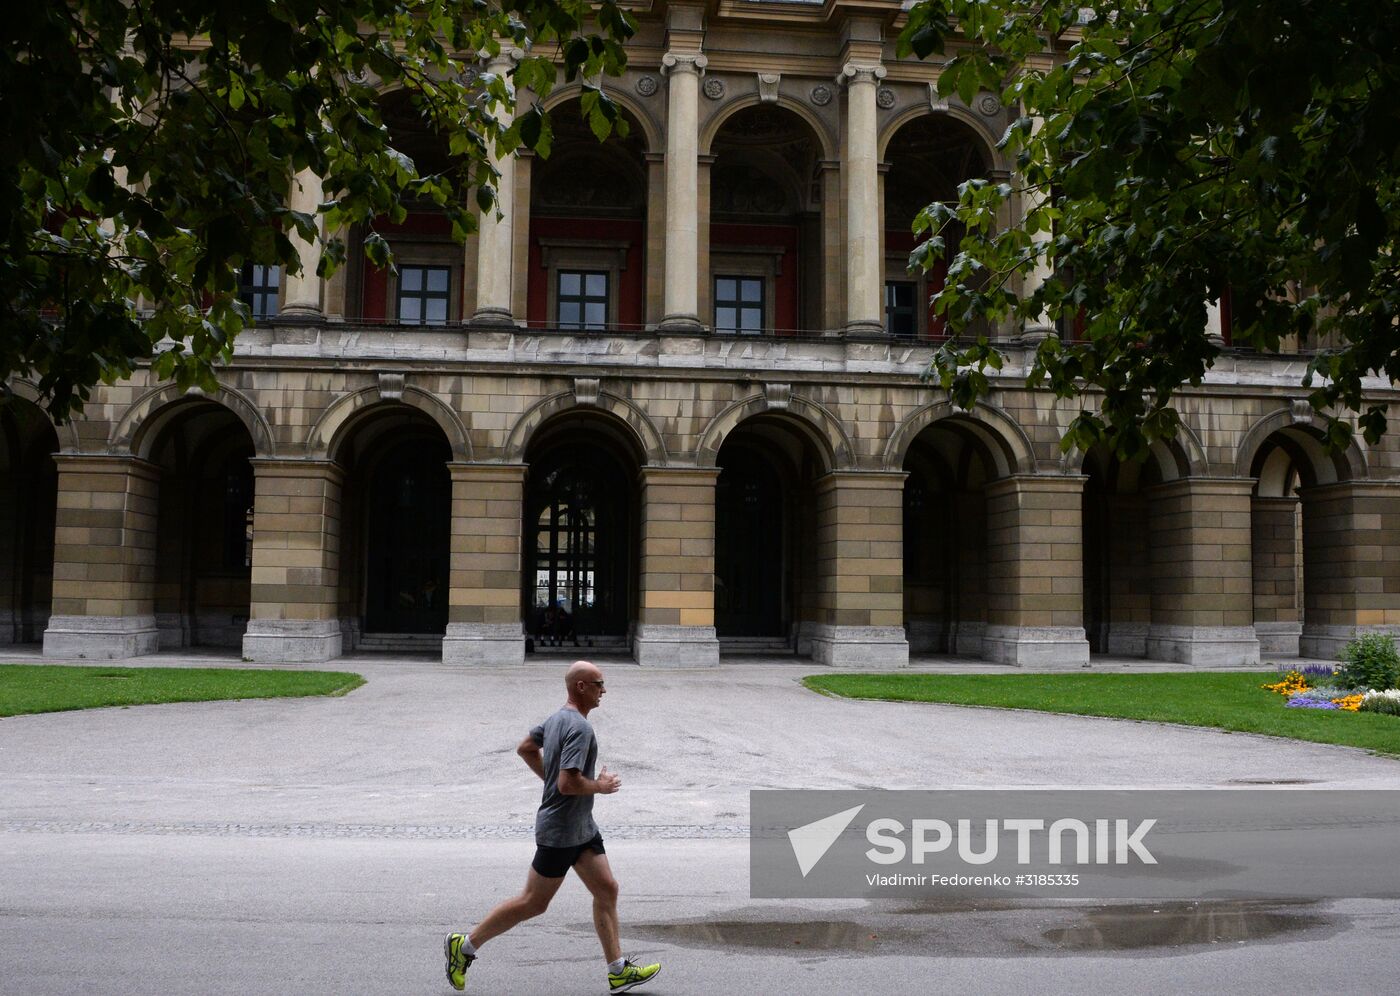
[670, 401]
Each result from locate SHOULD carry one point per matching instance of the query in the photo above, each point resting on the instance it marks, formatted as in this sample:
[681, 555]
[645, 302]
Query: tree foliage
[150, 147]
[1169, 153]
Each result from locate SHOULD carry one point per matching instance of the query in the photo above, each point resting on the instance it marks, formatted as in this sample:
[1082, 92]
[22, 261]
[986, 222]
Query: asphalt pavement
[324, 845]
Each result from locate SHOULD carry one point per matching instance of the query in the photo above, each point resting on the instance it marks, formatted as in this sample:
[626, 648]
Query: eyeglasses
[598, 683]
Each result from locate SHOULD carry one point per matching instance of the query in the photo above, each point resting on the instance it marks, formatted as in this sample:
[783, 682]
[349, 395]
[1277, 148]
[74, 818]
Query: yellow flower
[1351, 703]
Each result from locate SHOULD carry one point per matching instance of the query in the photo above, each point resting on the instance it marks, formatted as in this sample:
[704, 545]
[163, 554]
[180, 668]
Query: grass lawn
[30, 688]
[1224, 700]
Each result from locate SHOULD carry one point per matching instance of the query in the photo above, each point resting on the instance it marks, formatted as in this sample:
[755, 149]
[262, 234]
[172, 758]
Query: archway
[588, 228]
[204, 525]
[929, 158]
[949, 464]
[1119, 571]
[28, 500]
[581, 543]
[398, 517]
[766, 563]
[765, 225]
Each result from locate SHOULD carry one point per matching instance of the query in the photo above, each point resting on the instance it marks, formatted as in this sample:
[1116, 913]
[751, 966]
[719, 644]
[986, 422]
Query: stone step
[400, 643]
[767, 646]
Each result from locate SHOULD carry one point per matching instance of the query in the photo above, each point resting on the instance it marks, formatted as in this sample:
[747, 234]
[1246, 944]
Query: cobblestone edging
[381, 831]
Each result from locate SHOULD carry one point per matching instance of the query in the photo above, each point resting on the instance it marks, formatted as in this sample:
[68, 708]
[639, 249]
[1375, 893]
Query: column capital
[503, 61]
[854, 72]
[296, 467]
[504, 473]
[684, 62]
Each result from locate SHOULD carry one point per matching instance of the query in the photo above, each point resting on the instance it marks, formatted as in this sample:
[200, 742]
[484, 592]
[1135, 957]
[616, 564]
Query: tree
[150, 147]
[1171, 153]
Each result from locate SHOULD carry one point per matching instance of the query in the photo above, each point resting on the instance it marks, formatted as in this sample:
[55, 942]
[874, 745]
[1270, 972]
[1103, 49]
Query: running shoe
[631, 976]
[458, 961]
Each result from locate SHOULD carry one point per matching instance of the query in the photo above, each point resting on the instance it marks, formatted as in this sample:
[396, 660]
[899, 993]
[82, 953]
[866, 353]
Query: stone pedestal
[656, 645]
[1202, 585]
[484, 643]
[296, 562]
[104, 558]
[877, 647]
[860, 571]
[1351, 564]
[101, 637]
[484, 624]
[676, 626]
[1035, 573]
[292, 641]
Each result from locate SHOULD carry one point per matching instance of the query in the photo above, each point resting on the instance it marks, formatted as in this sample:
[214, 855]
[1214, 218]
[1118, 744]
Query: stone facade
[662, 485]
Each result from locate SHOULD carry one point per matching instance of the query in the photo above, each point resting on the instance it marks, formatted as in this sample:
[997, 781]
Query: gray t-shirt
[568, 742]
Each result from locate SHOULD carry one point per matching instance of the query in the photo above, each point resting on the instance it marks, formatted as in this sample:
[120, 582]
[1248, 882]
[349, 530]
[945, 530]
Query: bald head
[581, 671]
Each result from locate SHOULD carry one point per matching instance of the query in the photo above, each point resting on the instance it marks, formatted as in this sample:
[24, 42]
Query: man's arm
[531, 754]
[572, 782]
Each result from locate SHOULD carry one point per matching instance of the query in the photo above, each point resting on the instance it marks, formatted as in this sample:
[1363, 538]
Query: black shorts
[555, 862]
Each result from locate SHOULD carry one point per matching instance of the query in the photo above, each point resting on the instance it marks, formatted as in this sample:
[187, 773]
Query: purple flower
[1304, 703]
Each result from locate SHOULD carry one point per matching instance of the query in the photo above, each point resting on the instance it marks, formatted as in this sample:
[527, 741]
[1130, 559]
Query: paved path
[319, 845]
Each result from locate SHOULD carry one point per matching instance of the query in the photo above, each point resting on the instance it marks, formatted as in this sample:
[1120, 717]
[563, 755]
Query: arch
[958, 114]
[638, 113]
[67, 432]
[138, 428]
[998, 431]
[331, 429]
[645, 437]
[1183, 456]
[820, 132]
[1327, 467]
[824, 428]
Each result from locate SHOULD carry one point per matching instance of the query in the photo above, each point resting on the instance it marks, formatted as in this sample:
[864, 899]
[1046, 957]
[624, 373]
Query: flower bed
[1346, 688]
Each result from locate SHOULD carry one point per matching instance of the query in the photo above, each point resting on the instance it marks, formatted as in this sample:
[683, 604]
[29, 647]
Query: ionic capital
[684, 62]
[503, 61]
[852, 73]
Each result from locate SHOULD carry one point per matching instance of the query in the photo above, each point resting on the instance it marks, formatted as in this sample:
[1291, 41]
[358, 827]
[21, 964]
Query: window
[424, 292]
[238, 515]
[582, 300]
[258, 288]
[739, 304]
[900, 318]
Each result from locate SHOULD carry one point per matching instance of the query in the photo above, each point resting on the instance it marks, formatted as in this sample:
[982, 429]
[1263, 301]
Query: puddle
[994, 929]
[1175, 925]
[813, 935]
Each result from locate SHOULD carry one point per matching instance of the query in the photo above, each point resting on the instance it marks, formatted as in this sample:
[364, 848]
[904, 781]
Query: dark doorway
[410, 514]
[748, 545]
[579, 543]
[28, 499]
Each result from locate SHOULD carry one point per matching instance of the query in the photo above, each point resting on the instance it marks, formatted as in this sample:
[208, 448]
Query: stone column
[1202, 588]
[865, 279]
[104, 558]
[656, 237]
[681, 304]
[303, 293]
[832, 260]
[483, 606]
[860, 553]
[494, 238]
[677, 620]
[1035, 572]
[296, 562]
[1274, 554]
[1351, 564]
[1040, 326]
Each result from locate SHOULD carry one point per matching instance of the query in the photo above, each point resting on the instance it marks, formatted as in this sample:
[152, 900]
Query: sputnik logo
[811, 841]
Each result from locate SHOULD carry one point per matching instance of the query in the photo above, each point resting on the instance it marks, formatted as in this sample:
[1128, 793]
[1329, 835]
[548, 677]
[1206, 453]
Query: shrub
[1370, 661]
[1383, 702]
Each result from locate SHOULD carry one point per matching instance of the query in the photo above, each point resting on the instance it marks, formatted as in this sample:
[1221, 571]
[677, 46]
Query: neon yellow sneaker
[631, 976]
[458, 961]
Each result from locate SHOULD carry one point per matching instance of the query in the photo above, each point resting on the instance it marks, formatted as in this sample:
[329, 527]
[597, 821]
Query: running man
[562, 750]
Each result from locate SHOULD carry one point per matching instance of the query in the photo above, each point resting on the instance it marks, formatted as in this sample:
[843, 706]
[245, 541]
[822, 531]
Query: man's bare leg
[595, 872]
[530, 903]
